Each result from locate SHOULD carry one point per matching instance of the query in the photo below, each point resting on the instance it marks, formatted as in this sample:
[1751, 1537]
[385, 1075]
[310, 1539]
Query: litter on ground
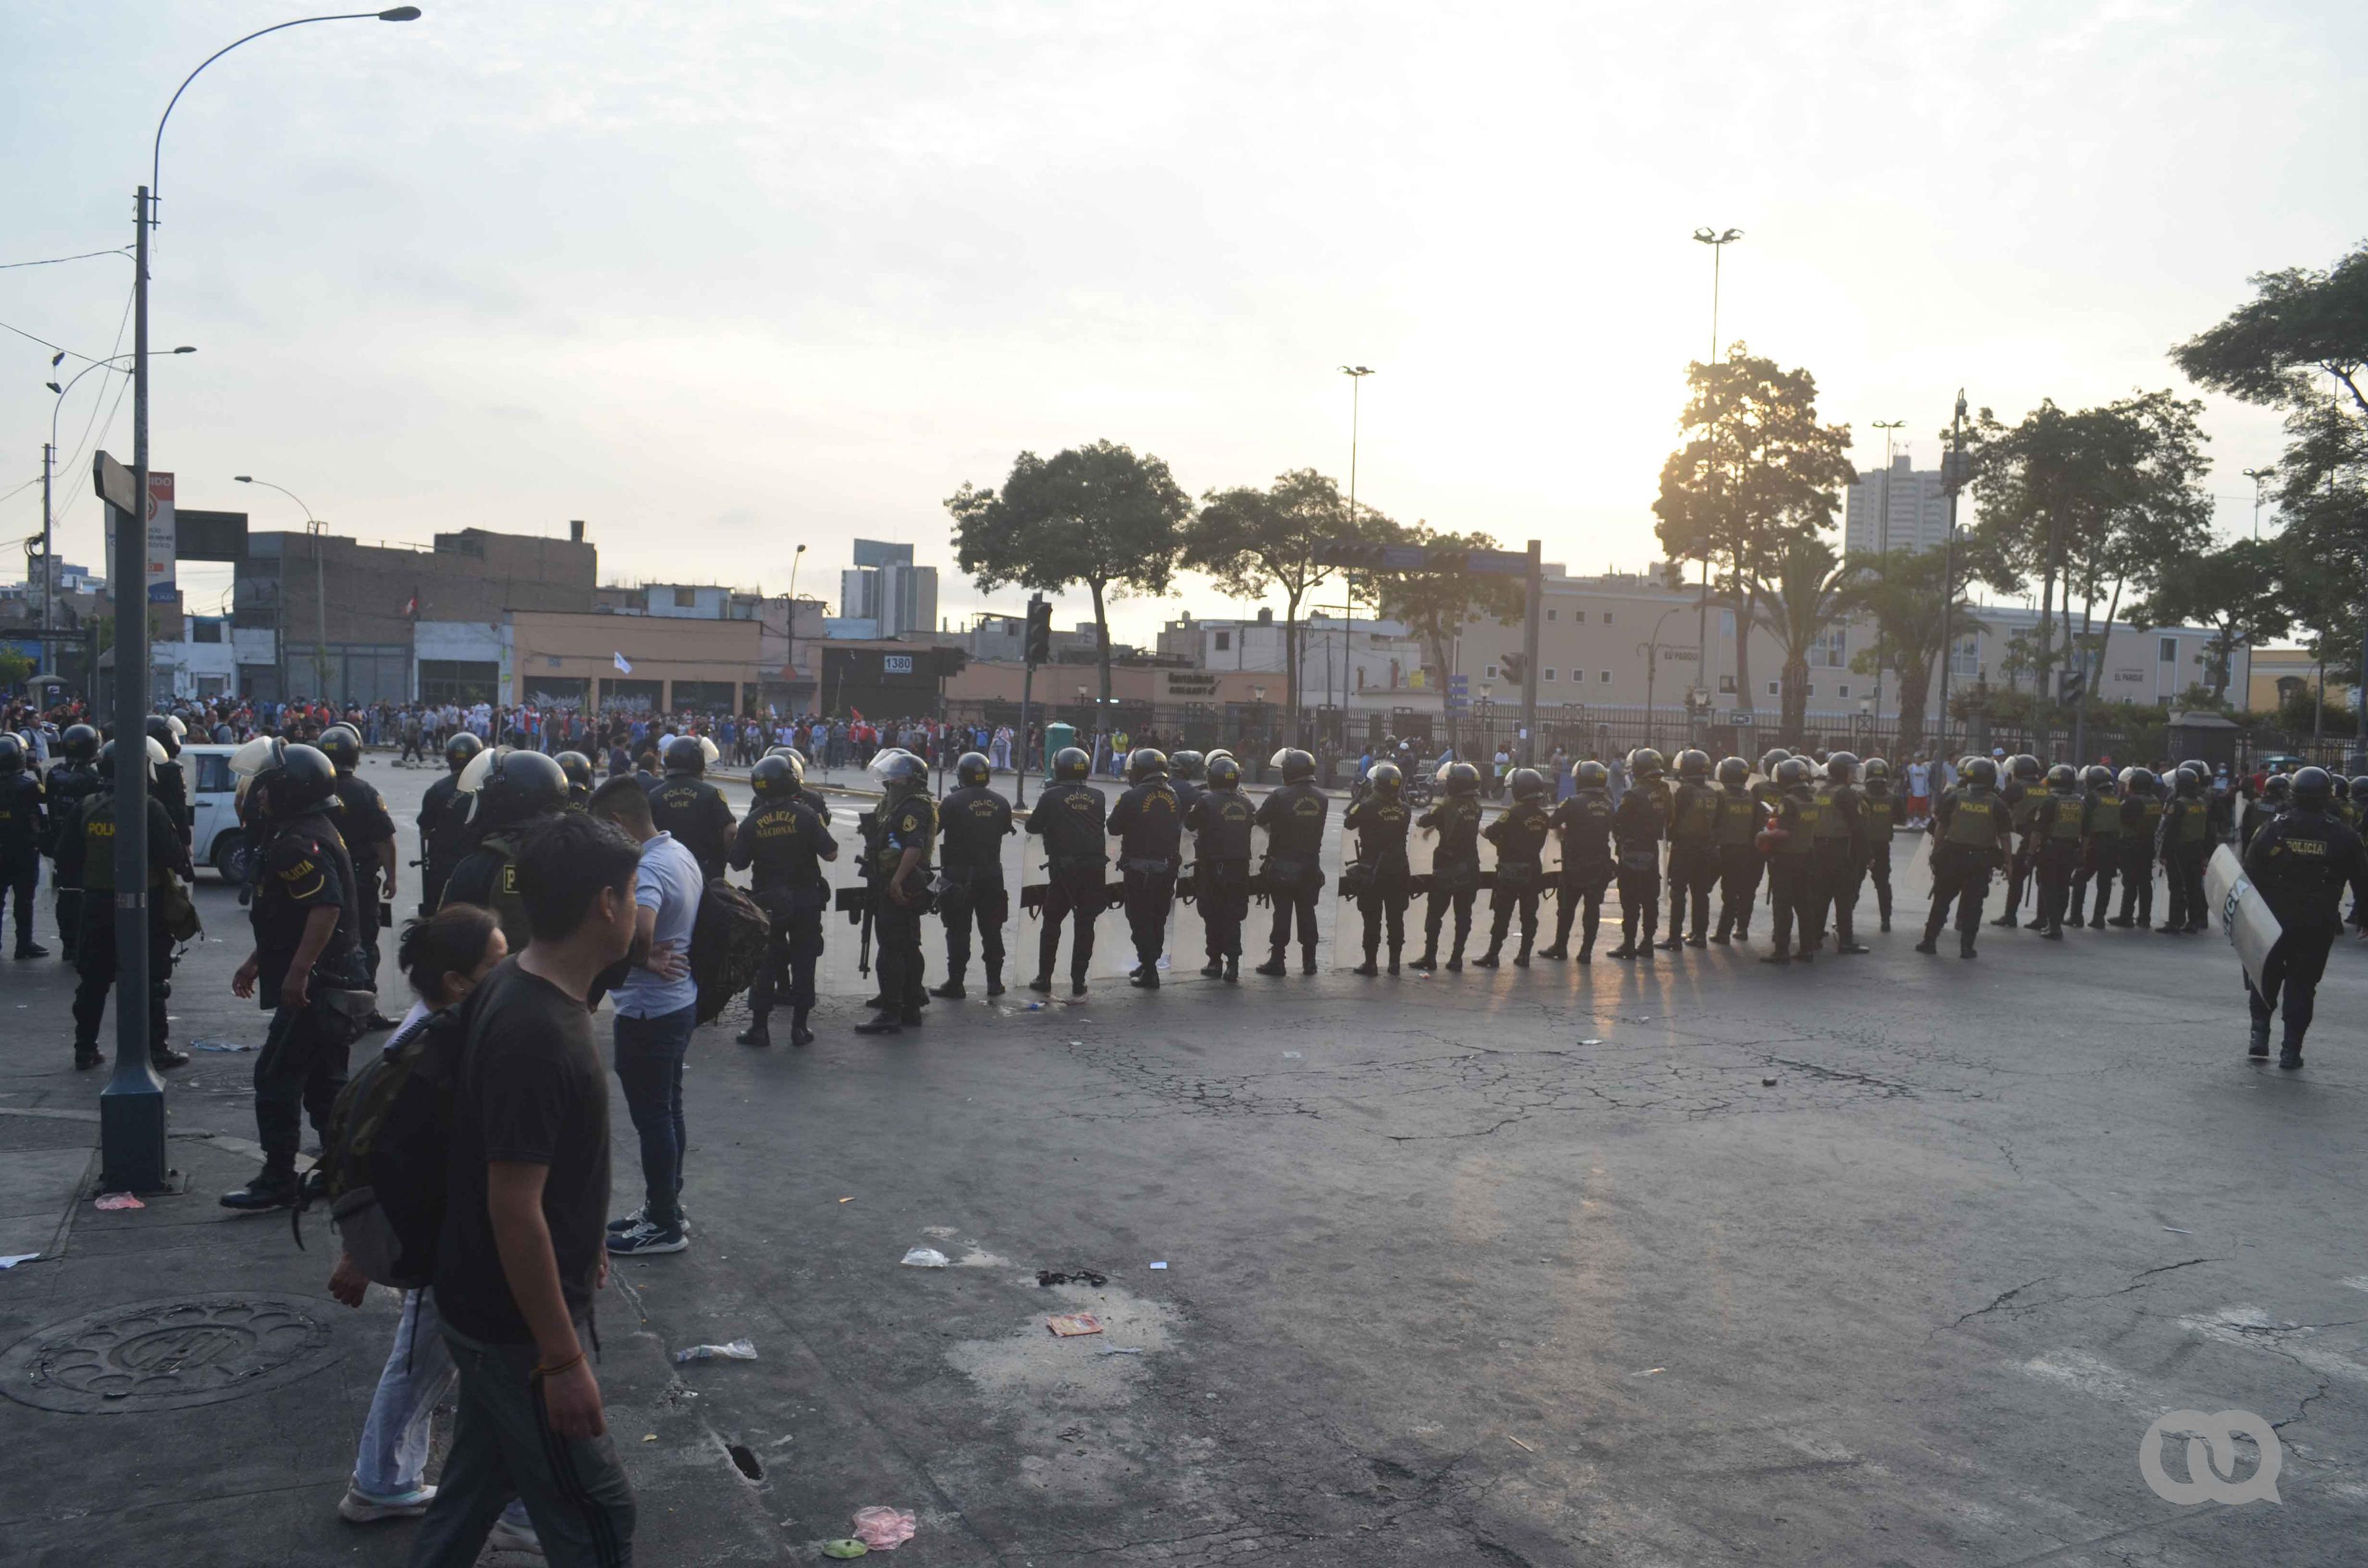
[925, 1258]
[884, 1529]
[1074, 1277]
[738, 1351]
[1069, 1325]
[113, 1200]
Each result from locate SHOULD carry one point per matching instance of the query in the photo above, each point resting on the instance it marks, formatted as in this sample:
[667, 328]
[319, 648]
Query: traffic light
[1039, 632]
[1354, 554]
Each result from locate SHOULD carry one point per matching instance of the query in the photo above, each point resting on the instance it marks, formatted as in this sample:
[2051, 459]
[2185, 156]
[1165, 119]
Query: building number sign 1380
[895, 663]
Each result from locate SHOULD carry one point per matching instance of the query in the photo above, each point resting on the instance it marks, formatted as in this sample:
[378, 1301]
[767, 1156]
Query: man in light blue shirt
[658, 1008]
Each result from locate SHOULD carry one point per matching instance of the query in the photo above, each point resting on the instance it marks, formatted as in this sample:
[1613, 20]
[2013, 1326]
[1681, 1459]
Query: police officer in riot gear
[171, 784]
[1973, 834]
[1070, 815]
[1520, 836]
[782, 842]
[1221, 820]
[686, 805]
[87, 853]
[307, 964]
[503, 794]
[369, 831]
[24, 828]
[1794, 862]
[2025, 787]
[899, 879]
[2301, 863]
[1380, 878]
[1583, 822]
[1294, 818]
[1638, 825]
[2183, 842]
[2277, 794]
[1693, 848]
[580, 778]
[1740, 864]
[70, 780]
[1455, 864]
[1148, 823]
[2054, 836]
[1881, 808]
[1185, 772]
[1838, 849]
[444, 822]
[2101, 842]
[2141, 822]
[975, 821]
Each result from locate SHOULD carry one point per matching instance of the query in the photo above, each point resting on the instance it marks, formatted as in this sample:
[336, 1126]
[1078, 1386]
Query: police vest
[1974, 821]
[2194, 824]
[2149, 816]
[1739, 816]
[509, 905]
[2102, 817]
[1878, 817]
[1808, 824]
[1694, 814]
[1832, 820]
[2065, 828]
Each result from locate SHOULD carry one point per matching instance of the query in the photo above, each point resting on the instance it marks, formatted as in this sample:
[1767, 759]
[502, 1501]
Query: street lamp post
[1718, 240]
[313, 526]
[1883, 548]
[1952, 480]
[796, 556]
[49, 467]
[132, 1107]
[1652, 647]
[2261, 477]
[1355, 374]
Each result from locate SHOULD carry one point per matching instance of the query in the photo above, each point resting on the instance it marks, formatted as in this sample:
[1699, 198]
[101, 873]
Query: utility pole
[1883, 548]
[2259, 476]
[1532, 611]
[1355, 374]
[45, 660]
[1718, 241]
[1952, 480]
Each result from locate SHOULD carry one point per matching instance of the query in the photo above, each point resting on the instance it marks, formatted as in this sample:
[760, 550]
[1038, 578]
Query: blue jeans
[649, 1053]
[393, 1458]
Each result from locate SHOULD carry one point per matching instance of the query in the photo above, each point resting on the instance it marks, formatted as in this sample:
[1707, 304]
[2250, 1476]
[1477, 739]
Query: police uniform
[2301, 863]
[170, 787]
[1835, 848]
[1070, 817]
[2022, 804]
[1637, 825]
[910, 823]
[64, 790]
[1972, 834]
[1795, 869]
[364, 823]
[23, 827]
[1520, 836]
[1221, 822]
[443, 838]
[1693, 858]
[303, 867]
[694, 811]
[87, 853]
[2141, 825]
[2101, 853]
[1148, 823]
[1878, 809]
[2055, 848]
[1741, 815]
[1294, 817]
[1382, 878]
[1454, 874]
[1583, 822]
[488, 876]
[782, 844]
[975, 821]
[2183, 840]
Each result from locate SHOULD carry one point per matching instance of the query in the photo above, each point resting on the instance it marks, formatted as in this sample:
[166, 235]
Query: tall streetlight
[1355, 374]
[1883, 548]
[2261, 477]
[796, 556]
[1952, 480]
[1718, 240]
[313, 526]
[49, 467]
[132, 1107]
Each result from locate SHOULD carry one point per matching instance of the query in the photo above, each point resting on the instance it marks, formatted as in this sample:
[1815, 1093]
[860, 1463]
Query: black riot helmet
[1980, 771]
[578, 768]
[1071, 765]
[1693, 764]
[1144, 764]
[1733, 770]
[459, 749]
[1386, 779]
[685, 755]
[1459, 779]
[971, 770]
[1792, 773]
[2142, 781]
[2276, 788]
[513, 786]
[160, 730]
[1526, 783]
[2342, 785]
[1224, 773]
[2314, 788]
[1874, 771]
[293, 779]
[2063, 778]
[1841, 767]
[1645, 763]
[1590, 774]
[1770, 758]
[2097, 776]
[1294, 764]
[897, 772]
[12, 754]
[2025, 767]
[776, 777]
[80, 743]
[1189, 766]
[2360, 788]
[2187, 781]
[342, 745]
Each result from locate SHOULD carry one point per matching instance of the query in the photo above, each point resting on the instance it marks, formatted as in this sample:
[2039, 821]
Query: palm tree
[1813, 590]
[1902, 592]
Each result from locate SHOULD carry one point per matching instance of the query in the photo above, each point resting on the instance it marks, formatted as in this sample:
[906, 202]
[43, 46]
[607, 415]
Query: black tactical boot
[164, 1058]
[1966, 945]
[1429, 959]
[274, 1188]
[1214, 968]
[2290, 1053]
[1307, 960]
[1043, 982]
[1522, 959]
[1146, 978]
[1393, 960]
[1488, 959]
[799, 1033]
[1233, 969]
[1369, 968]
[2258, 1044]
[952, 990]
[1274, 965]
[756, 1033]
[995, 982]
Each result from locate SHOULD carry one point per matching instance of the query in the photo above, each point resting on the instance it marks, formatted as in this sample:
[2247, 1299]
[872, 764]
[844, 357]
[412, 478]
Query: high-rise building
[885, 587]
[1918, 516]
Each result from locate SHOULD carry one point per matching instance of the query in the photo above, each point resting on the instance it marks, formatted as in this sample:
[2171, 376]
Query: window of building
[1830, 651]
[686, 598]
[1967, 660]
[1813, 689]
[1775, 689]
[1225, 641]
[1553, 615]
[1727, 686]
[1489, 673]
[205, 631]
[1844, 691]
[1604, 678]
[1546, 673]
[2169, 655]
[1607, 618]
[1578, 618]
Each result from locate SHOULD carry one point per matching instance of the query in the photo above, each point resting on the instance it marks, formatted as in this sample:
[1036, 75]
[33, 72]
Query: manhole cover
[166, 1355]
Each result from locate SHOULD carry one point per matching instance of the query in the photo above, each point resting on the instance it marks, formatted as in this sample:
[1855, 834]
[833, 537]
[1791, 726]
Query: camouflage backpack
[727, 946]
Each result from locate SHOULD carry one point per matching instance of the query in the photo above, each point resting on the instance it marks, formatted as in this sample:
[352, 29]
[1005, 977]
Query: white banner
[159, 577]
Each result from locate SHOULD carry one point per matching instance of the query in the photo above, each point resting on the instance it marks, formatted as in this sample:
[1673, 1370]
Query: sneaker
[681, 1219]
[358, 1507]
[270, 1189]
[165, 1059]
[507, 1536]
[646, 1237]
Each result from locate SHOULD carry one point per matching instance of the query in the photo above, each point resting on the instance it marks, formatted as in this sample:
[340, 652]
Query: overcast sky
[725, 278]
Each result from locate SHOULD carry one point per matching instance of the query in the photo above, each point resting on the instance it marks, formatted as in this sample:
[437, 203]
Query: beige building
[675, 662]
[2278, 672]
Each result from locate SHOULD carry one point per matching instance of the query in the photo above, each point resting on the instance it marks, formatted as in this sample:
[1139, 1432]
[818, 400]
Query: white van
[215, 836]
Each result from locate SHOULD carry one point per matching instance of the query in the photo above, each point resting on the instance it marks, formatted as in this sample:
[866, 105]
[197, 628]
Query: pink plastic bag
[884, 1529]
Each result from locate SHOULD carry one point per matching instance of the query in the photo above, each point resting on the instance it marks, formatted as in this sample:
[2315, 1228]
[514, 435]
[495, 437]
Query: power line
[123, 251]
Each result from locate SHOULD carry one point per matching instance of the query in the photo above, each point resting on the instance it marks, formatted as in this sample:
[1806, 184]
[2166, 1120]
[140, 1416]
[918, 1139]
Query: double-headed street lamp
[132, 1107]
[2261, 477]
[313, 526]
[49, 467]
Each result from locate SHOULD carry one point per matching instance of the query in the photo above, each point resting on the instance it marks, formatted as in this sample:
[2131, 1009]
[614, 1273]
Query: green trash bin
[1055, 737]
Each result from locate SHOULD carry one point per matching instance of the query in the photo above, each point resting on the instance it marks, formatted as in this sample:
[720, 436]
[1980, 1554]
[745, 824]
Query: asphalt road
[1889, 1260]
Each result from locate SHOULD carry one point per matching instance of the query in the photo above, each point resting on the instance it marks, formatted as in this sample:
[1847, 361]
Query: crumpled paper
[884, 1529]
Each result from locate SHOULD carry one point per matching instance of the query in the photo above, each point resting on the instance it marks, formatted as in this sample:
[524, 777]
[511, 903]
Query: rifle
[856, 904]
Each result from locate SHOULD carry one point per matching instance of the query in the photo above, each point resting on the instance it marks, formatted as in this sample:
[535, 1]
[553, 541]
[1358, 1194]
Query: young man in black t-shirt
[522, 1250]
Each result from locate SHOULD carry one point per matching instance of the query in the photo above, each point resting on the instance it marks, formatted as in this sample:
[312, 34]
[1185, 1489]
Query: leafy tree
[1256, 541]
[1436, 606]
[1762, 475]
[1901, 592]
[1810, 592]
[2237, 590]
[15, 668]
[1096, 514]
